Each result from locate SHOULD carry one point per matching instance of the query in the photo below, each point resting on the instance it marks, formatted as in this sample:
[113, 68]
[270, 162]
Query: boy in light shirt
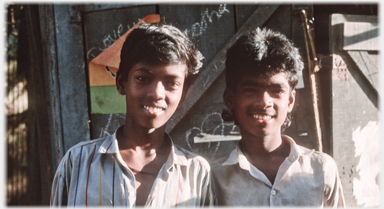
[267, 168]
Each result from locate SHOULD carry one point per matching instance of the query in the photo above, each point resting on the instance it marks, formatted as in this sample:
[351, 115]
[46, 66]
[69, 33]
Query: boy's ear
[120, 84]
[229, 98]
[291, 102]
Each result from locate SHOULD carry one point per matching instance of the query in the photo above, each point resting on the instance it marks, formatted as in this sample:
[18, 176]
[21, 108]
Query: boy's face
[261, 104]
[153, 93]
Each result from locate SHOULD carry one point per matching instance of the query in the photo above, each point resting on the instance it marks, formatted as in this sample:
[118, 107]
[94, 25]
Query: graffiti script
[108, 41]
[196, 30]
[199, 28]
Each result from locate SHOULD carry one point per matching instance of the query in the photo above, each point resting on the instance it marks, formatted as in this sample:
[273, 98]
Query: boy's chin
[153, 127]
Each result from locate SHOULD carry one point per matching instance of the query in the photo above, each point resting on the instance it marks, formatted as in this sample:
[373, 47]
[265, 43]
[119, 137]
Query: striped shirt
[305, 178]
[93, 173]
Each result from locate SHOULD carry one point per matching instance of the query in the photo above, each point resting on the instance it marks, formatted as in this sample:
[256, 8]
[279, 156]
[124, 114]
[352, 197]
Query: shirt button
[131, 194]
[273, 192]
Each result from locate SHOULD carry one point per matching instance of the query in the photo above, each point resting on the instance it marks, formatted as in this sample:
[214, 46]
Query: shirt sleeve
[333, 191]
[59, 191]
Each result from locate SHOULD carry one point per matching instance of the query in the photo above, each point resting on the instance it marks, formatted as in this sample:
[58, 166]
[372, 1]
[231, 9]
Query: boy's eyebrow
[146, 70]
[259, 84]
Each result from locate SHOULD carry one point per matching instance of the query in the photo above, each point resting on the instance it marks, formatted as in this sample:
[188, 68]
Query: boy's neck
[267, 146]
[140, 138]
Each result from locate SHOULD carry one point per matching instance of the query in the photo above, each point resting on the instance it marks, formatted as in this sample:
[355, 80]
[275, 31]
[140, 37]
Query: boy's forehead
[263, 80]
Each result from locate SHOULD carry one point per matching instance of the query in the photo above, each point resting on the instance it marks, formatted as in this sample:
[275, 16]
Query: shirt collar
[236, 156]
[109, 146]
[176, 156]
[295, 151]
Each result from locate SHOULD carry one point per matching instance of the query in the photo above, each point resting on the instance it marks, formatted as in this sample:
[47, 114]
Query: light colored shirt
[93, 173]
[305, 178]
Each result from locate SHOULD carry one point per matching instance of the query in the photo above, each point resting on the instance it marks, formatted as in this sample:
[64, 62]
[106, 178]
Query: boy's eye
[249, 90]
[277, 91]
[142, 78]
[174, 85]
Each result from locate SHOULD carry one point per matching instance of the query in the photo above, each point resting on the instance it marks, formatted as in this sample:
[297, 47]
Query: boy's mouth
[261, 118]
[153, 109]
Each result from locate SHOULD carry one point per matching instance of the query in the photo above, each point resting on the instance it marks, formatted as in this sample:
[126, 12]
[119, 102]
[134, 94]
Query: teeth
[154, 109]
[262, 117]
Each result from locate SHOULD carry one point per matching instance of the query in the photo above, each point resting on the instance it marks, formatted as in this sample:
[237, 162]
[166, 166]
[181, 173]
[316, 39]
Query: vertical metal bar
[313, 68]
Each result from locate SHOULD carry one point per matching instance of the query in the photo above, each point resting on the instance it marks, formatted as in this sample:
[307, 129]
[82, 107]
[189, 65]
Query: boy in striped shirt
[139, 165]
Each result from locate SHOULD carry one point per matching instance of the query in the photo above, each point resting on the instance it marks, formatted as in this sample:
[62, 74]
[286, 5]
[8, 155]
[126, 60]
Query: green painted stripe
[106, 100]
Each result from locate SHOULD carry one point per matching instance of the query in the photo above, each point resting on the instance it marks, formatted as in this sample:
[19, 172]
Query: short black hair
[262, 52]
[159, 43]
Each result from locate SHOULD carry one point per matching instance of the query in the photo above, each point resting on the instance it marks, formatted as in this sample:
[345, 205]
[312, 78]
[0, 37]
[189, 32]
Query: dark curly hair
[262, 52]
[159, 43]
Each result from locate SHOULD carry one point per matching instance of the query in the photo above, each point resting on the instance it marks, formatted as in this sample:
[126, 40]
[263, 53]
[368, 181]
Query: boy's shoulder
[317, 157]
[86, 146]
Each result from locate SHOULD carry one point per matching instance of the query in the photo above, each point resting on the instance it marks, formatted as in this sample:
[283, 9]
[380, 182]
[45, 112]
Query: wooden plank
[361, 36]
[354, 119]
[216, 67]
[210, 26]
[72, 78]
[243, 12]
[48, 41]
[97, 7]
[337, 28]
[42, 146]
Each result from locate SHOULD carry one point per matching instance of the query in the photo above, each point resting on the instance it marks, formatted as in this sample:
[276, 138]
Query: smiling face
[260, 105]
[153, 93]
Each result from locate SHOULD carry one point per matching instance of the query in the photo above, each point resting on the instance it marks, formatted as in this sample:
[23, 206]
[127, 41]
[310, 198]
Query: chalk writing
[109, 40]
[114, 121]
[212, 125]
[104, 130]
[198, 28]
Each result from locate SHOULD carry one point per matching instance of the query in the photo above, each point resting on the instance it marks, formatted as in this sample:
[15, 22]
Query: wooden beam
[216, 67]
[366, 66]
[361, 36]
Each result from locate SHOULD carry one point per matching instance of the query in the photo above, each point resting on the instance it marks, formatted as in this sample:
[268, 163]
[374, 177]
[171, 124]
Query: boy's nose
[264, 100]
[157, 91]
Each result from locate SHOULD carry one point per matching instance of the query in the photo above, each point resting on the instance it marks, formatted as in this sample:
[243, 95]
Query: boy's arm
[59, 191]
[333, 191]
